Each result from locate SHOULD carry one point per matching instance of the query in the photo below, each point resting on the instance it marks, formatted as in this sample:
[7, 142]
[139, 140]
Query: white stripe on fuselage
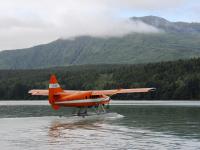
[83, 101]
[54, 85]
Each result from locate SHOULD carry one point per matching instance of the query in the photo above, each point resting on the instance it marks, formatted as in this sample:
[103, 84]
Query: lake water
[142, 125]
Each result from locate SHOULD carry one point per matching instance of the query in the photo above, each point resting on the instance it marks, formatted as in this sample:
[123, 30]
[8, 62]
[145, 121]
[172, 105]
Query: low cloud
[26, 23]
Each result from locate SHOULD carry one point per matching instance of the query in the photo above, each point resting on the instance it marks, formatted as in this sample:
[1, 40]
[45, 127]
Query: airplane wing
[40, 92]
[94, 92]
[120, 91]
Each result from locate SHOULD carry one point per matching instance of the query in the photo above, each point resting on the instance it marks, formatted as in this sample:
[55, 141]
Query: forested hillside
[173, 80]
[174, 41]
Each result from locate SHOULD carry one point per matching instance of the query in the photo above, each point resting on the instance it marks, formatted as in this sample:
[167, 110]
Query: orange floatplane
[83, 100]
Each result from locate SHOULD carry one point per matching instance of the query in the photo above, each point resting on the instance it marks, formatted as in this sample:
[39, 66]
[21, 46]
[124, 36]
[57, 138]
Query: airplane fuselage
[82, 100]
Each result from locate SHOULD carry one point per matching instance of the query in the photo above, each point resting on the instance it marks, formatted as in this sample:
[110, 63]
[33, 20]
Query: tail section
[54, 88]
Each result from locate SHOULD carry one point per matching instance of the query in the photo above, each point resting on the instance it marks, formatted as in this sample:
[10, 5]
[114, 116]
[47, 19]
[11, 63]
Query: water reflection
[69, 128]
[58, 128]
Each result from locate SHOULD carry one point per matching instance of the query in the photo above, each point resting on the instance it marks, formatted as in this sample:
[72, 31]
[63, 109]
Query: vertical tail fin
[54, 88]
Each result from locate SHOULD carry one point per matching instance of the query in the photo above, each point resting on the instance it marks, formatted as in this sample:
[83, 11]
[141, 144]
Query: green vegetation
[130, 49]
[173, 80]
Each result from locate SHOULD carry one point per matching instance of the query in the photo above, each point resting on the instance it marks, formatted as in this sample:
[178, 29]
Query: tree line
[175, 80]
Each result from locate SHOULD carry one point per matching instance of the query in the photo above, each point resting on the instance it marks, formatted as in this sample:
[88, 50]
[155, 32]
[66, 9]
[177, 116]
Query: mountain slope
[182, 43]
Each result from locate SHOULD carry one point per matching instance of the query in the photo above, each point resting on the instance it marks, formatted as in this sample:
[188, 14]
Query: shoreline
[113, 102]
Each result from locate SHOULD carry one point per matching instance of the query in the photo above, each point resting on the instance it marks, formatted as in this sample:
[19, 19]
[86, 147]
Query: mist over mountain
[170, 27]
[176, 40]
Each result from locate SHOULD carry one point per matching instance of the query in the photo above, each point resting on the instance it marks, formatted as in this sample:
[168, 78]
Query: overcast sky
[25, 23]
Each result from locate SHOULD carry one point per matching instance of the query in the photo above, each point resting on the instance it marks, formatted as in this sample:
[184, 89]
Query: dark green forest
[177, 80]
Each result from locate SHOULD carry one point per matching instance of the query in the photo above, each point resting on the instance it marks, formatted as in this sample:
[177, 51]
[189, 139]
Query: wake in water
[64, 126]
[91, 118]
